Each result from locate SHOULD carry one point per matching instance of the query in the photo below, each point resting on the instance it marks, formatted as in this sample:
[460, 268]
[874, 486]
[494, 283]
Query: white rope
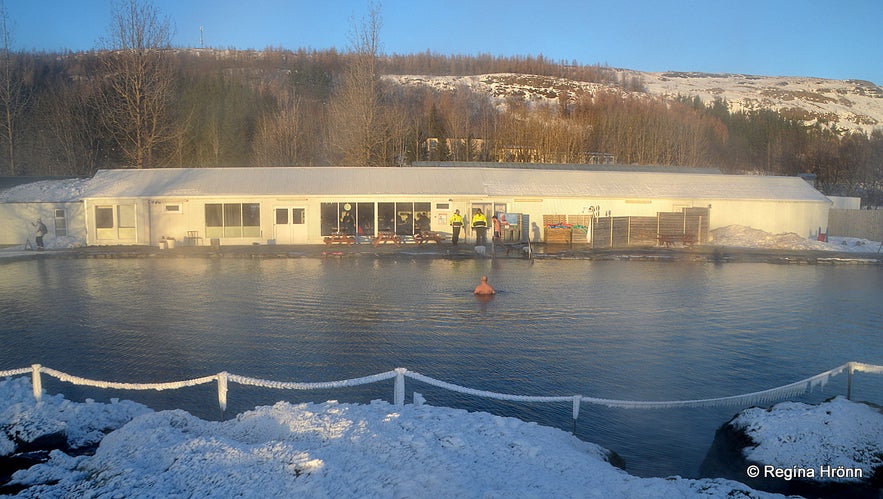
[866, 368]
[15, 372]
[292, 385]
[789, 390]
[770, 395]
[174, 385]
[483, 393]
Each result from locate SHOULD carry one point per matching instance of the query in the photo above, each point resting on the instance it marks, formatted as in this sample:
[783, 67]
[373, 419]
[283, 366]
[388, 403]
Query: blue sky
[839, 39]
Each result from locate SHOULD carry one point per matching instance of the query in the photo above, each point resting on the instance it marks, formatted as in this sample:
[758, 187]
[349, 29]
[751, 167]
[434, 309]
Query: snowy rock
[833, 449]
[30, 430]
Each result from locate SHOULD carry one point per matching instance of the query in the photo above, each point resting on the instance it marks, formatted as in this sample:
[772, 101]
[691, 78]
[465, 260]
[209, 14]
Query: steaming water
[625, 330]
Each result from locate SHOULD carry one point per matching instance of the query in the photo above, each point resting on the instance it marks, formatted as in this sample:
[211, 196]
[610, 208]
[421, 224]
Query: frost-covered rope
[769, 395]
[172, 385]
[292, 385]
[772, 394]
[865, 368]
[15, 372]
[484, 393]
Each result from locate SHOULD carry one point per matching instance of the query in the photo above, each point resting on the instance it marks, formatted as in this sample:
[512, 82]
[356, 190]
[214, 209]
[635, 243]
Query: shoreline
[541, 251]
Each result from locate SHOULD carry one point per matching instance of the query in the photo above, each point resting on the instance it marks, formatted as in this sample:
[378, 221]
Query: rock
[799, 449]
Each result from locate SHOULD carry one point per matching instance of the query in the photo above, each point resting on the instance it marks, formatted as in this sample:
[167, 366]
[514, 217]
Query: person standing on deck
[456, 225]
[479, 223]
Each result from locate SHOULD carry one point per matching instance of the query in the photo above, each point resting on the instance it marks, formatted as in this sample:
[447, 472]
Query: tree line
[140, 103]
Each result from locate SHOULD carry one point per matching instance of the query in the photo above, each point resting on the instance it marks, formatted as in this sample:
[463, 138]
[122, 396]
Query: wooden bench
[340, 239]
[386, 237]
[428, 236]
[668, 240]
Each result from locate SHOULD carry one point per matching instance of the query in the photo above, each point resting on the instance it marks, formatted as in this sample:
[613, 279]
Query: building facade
[303, 205]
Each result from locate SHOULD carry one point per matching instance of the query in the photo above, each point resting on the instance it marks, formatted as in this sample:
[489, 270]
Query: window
[251, 219]
[233, 220]
[329, 218]
[422, 217]
[104, 217]
[365, 219]
[298, 216]
[173, 208]
[126, 221]
[405, 219]
[386, 217]
[281, 216]
[60, 223]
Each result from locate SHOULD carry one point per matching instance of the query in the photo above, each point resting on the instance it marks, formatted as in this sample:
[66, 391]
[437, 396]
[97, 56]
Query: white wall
[16, 219]
[846, 203]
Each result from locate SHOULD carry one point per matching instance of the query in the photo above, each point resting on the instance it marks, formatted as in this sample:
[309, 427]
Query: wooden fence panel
[642, 231]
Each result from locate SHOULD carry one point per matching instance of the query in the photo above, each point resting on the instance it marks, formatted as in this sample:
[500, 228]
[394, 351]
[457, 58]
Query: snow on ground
[847, 104]
[320, 450]
[837, 433]
[739, 236]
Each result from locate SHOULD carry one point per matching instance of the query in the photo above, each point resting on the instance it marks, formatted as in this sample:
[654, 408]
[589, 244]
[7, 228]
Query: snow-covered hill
[846, 104]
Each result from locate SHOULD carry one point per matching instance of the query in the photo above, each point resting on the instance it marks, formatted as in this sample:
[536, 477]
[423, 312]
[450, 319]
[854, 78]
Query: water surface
[624, 330]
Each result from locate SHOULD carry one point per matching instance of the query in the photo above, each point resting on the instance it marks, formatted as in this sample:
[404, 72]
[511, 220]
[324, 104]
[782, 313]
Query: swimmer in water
[484, 288]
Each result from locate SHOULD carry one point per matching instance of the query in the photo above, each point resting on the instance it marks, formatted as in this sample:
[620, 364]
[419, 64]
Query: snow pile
[740, 236]
[328, 450]
[22, 420]
[836, 433]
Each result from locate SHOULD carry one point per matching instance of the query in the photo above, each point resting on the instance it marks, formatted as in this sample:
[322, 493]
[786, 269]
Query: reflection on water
[625, 330]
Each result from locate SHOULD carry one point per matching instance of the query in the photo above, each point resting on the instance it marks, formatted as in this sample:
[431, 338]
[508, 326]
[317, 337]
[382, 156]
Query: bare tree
[360, 130]
[137, 106]
[14, 95]
[69, 113]
[278, 136]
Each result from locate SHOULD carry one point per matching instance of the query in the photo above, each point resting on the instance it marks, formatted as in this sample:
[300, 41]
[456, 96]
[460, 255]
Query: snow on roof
[450, 181]
[45, 191]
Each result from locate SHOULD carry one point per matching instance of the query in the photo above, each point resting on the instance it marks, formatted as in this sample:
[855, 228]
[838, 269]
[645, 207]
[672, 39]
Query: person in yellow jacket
[479, 224]
[456, 225]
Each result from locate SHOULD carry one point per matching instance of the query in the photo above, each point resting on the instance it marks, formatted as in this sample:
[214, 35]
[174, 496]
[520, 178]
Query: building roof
[41, 189]
[447, 181]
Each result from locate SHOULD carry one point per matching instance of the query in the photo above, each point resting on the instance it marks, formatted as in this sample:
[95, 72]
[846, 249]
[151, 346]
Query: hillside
[847, 104]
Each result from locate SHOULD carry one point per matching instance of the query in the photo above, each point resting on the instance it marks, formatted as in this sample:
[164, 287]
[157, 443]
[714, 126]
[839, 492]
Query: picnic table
[386, 237]
[339, 238]
[428, 236]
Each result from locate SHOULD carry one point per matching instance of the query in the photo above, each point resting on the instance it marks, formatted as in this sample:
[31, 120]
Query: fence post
[399, 390]
[576, 402]
[611, 230]
[850, 368]
[222, 392]
[37, 382]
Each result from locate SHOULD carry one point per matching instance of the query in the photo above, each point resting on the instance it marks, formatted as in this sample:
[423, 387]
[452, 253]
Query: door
[290, 225]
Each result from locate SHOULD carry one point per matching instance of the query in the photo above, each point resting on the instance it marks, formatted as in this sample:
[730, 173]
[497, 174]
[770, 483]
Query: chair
[192, 238]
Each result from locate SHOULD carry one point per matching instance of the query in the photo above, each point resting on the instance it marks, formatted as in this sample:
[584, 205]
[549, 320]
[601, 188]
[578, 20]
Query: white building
[57, 203]
[302, 205]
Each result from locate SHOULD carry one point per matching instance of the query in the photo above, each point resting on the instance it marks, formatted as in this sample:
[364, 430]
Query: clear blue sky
[839, 39]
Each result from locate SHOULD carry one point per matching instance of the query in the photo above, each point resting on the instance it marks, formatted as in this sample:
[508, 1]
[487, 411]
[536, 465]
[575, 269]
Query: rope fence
[773, 394]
